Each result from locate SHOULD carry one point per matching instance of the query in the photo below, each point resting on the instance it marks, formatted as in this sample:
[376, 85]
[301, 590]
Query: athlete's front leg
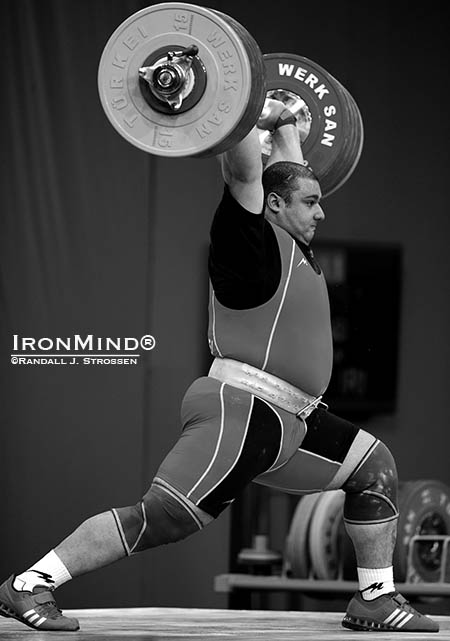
[371, 515]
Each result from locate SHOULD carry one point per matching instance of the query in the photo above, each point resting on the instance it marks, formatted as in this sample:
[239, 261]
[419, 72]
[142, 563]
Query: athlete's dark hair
[282, 178]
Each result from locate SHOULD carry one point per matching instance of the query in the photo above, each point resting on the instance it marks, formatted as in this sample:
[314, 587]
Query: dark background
[98, 237]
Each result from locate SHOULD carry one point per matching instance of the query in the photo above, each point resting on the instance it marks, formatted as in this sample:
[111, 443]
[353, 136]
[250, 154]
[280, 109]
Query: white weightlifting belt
[265, 385]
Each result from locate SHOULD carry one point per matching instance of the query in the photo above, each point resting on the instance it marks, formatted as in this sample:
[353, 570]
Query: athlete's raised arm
[285, 137]
[242, 172]
[242, 166]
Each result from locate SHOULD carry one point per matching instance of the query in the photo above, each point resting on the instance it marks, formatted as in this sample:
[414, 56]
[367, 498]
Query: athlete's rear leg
[229, 437]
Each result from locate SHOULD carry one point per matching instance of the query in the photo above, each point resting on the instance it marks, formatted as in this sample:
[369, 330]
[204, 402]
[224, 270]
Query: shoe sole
[365, 625]
[9, 613]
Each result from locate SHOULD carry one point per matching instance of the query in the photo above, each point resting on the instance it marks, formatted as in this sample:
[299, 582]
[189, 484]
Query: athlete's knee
[161, 517]
[371, 490]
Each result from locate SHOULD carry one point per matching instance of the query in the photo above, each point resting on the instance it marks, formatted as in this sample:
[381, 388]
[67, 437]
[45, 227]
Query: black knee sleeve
[371, 490]
[156, 520]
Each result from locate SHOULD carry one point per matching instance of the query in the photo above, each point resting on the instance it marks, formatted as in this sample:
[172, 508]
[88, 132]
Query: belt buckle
[309, 409]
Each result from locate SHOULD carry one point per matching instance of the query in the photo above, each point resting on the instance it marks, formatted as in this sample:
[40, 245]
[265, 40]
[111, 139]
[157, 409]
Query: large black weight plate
[334, 143]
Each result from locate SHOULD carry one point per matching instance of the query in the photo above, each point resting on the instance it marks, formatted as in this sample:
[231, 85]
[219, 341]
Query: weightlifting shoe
[388, 612]
[37, 609]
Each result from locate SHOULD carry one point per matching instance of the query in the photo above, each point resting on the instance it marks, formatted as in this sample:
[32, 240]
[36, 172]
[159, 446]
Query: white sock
[373, 582]
[49, 572]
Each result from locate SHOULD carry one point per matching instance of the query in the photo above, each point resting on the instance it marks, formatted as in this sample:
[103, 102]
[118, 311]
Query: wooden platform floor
[176, 624]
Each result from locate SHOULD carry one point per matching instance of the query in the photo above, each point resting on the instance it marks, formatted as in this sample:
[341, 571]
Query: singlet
[288, 331]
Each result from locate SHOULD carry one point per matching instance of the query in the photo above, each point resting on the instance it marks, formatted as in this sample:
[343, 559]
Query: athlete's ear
[274, 202]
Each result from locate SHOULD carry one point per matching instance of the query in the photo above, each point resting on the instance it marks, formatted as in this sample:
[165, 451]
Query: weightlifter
[258, 415]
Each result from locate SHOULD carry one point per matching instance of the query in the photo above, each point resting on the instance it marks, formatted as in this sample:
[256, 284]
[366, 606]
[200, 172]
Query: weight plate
[351, 152]
[424, 508]
[257, 89]
[227, 62]
[324, 534]
[297, 548]
[334, 142]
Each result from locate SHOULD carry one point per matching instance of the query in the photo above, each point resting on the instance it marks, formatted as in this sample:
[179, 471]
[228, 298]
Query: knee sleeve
[161, 517]
[371, 490]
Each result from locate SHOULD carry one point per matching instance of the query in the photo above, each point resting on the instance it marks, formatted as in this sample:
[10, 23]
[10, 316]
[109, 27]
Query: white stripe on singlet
[324, 458]
[219, 440]
[213, 306]
[269, 344]
[280, 449]
[238, 454]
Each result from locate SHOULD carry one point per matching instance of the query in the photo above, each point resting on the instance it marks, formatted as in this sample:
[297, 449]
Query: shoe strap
[403, 603]
[44, 597]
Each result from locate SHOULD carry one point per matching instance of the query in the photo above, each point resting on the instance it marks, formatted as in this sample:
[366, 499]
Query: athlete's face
[303, 213]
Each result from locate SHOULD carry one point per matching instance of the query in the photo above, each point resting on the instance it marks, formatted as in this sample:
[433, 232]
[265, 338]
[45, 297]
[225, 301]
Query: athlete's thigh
[329, 453]
[229, 436]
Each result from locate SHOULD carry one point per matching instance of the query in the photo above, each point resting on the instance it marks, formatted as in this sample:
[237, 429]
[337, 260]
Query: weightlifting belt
[265, 385]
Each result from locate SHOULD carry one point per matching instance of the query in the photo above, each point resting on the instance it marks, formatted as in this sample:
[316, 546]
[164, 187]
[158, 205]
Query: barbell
[177, 79]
